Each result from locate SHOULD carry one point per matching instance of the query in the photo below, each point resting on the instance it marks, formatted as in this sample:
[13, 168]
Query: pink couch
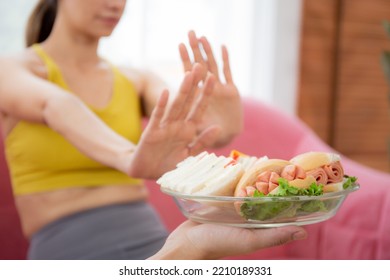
[12, 243]
[360, 230]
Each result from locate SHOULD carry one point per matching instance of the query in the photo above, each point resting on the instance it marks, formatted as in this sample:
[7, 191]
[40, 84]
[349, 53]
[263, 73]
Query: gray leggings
[115, 232]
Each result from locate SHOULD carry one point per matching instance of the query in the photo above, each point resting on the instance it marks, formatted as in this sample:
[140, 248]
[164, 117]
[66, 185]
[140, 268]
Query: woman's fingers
[212, 64]
[210, 134]
[225, 241]
[207, 60]
[276, 236]
[185, 58]
[194, 43]
[188, 107]
[182, 96]
[191, 94]
[201, 104]
[184, 100]
[205, 139]
[226, 66]
[159, 110]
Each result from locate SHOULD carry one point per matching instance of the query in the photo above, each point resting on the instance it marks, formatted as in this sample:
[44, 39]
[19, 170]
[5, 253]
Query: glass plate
[260, 212]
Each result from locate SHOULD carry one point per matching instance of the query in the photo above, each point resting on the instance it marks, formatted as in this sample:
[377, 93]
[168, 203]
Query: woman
[72, 128]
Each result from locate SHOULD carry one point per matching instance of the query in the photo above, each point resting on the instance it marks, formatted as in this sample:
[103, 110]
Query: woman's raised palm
[172, 132]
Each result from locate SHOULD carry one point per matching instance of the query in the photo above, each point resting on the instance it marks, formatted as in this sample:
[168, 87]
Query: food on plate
[309, 174]
[243, 189]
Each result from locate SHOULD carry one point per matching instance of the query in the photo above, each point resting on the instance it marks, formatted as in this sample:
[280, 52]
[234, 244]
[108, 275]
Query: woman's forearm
[71, 118]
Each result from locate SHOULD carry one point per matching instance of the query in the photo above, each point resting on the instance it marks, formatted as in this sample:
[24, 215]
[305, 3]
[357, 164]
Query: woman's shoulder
[26, 59]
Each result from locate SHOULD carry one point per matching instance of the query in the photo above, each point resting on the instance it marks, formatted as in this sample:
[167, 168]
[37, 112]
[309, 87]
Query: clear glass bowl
[260, 212]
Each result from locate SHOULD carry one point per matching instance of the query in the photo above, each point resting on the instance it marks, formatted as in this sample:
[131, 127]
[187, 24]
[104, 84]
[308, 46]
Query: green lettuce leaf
[267, 210]
[313, 206]
[270, 209]
[286, 190]
[350, 180]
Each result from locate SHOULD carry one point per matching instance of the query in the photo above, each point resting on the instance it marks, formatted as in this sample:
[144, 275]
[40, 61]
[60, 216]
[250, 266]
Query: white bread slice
[207, 174]
[223, 183]
[335, 187]
[248, 162]
[172, 179]
[250, 176]
[197, 180]
[312, 160]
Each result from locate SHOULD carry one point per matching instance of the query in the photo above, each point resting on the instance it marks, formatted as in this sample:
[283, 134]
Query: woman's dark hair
[41, 21]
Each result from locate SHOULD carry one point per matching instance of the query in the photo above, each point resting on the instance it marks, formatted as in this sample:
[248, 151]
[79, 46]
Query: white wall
[13, 18]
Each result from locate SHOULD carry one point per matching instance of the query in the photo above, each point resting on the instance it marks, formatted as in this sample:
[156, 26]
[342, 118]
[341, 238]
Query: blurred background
[319, 60]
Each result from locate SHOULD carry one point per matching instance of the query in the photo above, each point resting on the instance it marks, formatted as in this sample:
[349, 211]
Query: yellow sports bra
[42, 160]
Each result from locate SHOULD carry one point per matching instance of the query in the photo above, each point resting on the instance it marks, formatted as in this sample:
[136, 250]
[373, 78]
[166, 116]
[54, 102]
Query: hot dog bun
[204, 174]
[335, 187]
[250, 176]
[312, 160]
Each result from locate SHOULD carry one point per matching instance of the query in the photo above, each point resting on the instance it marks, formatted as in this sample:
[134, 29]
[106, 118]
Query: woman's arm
[163, 144]
[27, 97]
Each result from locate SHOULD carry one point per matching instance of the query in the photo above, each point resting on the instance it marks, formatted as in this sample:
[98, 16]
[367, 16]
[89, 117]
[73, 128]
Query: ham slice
[335, 172]
[273, 181]
[292, 172]
[266, 182]
[319, 174]
[328, 174]
[250, 190]
[262, 187]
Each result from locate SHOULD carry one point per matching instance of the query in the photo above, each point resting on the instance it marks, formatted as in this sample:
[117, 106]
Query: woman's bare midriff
[38, 210]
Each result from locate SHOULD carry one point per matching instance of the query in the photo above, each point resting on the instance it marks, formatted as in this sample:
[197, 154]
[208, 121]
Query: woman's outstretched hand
[173, 132]
[225, 108]
[209, 241]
